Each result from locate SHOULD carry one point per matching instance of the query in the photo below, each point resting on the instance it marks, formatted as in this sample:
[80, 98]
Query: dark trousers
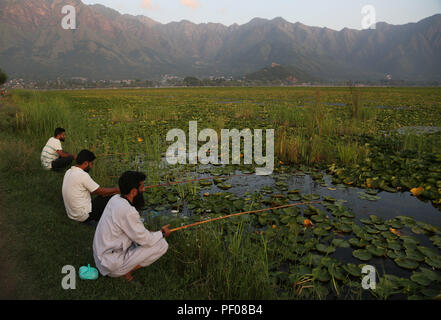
[61, 163]
[98, 205]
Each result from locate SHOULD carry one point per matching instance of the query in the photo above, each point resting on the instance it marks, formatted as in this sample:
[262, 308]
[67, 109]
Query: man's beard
[62, 140]
[87, 169]
[138, 201]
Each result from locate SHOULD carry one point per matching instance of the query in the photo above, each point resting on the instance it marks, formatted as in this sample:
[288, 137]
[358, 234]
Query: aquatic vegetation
[337, 141]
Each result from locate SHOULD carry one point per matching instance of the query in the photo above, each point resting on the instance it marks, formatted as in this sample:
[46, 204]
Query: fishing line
[200, 179]
[193, 180]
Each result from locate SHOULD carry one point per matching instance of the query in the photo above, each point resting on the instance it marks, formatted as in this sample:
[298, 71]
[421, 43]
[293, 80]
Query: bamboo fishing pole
[242, 213]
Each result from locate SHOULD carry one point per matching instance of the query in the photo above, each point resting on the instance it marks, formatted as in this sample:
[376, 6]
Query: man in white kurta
[122, 244]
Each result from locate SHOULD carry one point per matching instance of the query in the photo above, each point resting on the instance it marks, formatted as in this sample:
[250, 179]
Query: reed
[351, 153]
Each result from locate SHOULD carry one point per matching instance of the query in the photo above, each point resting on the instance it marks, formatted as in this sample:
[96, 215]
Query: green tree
[192, 82]
[3, 77]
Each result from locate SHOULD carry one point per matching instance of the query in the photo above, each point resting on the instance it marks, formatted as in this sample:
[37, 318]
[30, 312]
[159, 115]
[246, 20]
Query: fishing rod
[113, 154]
[242, 213]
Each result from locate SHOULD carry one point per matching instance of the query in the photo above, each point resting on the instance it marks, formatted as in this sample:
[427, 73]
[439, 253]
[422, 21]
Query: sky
[336, 14]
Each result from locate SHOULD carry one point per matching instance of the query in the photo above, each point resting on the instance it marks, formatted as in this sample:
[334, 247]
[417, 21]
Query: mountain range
[110, 45]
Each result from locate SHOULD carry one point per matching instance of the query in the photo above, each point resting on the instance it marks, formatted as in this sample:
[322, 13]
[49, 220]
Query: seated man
[52, 156]
[122, 244]
[77, 188]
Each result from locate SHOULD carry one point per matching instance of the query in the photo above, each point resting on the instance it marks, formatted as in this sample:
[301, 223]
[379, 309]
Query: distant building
[81, 79]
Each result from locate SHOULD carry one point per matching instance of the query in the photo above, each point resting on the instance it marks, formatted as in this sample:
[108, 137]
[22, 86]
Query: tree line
[3, 77]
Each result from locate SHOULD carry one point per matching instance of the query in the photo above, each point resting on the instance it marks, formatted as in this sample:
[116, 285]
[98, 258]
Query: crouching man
[78, 187]
[122, 244]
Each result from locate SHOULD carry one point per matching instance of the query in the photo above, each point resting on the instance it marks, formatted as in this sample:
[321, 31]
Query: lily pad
[219, 180]
[324, 249]
[436, 240]
[395, 223]
[418, 230]
[434, 262]
[376, 251]
[375, 219]
[361, 254]
[299, 271]
[365, 196]
[391, 254]
[371, 230]
[394, 244]
[379, 243]
[224, 186]
[340, 243]
[372, 192]
[310, 197]
[400, 253]
[337, 272]
[321, 274]
[343, 227]
[407, 221]
[414, 255]
[428, 252]
[430, 274]
[410, 239]
[406, 263]
[320, 232]
[421, 278]
[292, 211]
[205, 183]
[329, 199]
[294, 197]
[311, 259]
[427, 227]
[317, 218]
[389, 235]
[366, 221]
[381, 227]
[352, 269]
[355, 242]
[430, 293]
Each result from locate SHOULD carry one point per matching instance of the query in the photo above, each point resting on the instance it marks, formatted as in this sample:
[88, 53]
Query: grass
[219, 261]
[200, 264]
[197, 266]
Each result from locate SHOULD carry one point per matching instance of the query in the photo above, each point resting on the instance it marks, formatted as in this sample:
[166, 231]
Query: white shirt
[49, 152]
[119, 227]
[77, 187]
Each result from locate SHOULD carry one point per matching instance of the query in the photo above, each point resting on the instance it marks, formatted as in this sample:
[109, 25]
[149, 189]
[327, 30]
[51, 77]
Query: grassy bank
[200, 264]
[267, 256]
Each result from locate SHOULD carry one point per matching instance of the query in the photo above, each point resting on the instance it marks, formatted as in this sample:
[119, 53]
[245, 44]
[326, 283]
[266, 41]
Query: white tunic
[122, 242]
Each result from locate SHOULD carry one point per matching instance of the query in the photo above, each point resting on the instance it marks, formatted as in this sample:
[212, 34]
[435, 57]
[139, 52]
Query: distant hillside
[283, 74]
[110, 45]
